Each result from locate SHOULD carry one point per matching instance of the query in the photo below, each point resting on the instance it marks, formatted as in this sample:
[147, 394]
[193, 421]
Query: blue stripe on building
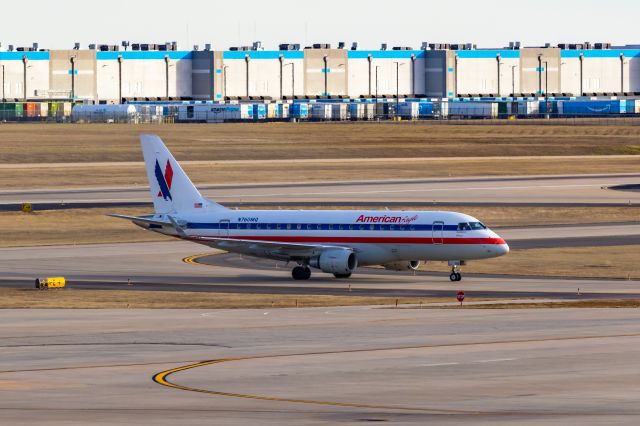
[385, 54]
[131, 54]
[263, 54]
[613, 53]
[486, 54]
[17, 56]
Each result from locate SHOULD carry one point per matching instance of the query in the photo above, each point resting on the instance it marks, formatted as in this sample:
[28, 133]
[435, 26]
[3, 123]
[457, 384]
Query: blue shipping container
[259, 111]
[425, 109]
[594, 107]
[300, 110]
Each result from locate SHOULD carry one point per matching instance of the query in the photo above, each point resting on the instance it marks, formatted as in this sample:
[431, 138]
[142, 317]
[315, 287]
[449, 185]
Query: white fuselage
[378, 237]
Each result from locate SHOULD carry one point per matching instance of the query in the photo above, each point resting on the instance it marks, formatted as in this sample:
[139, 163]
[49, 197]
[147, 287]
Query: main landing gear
[301, 273]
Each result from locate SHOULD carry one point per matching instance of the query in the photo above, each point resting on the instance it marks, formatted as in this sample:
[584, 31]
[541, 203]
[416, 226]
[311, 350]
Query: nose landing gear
[455, 273]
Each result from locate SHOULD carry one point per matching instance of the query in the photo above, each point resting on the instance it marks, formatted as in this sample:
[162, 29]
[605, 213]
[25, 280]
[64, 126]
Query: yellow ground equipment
[56, 282]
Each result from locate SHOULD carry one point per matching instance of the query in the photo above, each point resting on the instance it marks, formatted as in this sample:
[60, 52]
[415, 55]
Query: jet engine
[411, 265]
[336, 261]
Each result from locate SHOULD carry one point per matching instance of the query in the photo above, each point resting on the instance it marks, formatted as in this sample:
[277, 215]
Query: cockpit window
[464, 226]
[477, 226]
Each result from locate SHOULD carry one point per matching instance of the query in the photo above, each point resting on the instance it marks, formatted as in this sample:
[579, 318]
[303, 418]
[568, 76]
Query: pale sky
[489, 23]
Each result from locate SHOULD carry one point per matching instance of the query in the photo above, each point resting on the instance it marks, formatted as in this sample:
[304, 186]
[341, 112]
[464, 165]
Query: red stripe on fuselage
[363, 240]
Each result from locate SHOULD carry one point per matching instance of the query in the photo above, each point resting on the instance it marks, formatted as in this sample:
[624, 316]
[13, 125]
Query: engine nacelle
[336, 261]
[411, 265]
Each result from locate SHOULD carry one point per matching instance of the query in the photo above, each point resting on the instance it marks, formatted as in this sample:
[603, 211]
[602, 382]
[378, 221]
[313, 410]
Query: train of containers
[31, 111]
[320, 110]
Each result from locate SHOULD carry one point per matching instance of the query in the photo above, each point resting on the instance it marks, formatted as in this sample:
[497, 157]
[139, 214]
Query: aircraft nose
[503, 249]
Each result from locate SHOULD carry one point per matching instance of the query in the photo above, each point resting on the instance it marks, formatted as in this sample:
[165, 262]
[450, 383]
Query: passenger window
[372, 227]
[299, 226]
[362, 227]
[288, 226]
[351, 227]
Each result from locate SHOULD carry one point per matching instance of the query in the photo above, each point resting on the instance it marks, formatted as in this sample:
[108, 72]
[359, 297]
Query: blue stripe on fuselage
[320, 226]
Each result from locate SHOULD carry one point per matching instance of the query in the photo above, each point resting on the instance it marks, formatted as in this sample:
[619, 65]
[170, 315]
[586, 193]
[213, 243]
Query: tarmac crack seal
[162, 377]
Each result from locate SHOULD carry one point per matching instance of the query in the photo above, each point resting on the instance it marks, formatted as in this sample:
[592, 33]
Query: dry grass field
[55, 143]
[39, 155]
[619, 262]
[131, 175]
[113, 299]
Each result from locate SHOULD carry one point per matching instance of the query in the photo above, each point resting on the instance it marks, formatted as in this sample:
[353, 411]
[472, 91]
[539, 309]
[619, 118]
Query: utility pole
[513, 80]
[546, 79]
[397, 86]
[119, 79]
[224, 82]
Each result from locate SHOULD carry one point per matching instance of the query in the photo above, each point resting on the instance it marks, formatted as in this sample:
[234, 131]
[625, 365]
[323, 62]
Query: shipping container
[527, 108]
[283, 111]
[408, 110]
[637, 106]
[272, 111]
[321, 111]
[592, 107]
[369, 111]
[382, 109]
[356, 111]
[425, 109]
[32, 109]
[212, 113]
[473, 109]
[441, 109]
[339, 111]
[259, 111]
[104, 113]
[300, 110]
[67, 109]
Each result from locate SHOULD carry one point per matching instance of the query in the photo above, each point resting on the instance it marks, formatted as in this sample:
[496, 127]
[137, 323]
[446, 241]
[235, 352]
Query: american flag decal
[197, 205]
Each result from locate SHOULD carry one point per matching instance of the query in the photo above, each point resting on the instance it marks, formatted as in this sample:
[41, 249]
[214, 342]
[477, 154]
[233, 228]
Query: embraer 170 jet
[333, 241]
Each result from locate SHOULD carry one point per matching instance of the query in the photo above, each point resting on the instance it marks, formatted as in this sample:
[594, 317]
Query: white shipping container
[103, 113]
[637, 106]
[443, 108]
[528, 107]
[272, 111]
[408, 110]
[369, 111]
[321, 111]
[339, 111]
[473, 109]
[213, 113]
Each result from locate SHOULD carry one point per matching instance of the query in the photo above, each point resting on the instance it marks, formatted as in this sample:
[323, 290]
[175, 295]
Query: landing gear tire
[301, 273]
[455, 276]
[342, 275]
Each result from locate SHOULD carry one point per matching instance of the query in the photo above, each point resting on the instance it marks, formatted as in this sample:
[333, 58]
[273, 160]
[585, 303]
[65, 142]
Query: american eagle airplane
[333, 241]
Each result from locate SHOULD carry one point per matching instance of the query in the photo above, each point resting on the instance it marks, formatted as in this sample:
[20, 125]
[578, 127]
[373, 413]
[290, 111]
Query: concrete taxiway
[531, 190]
[160, 266]
[312, 366]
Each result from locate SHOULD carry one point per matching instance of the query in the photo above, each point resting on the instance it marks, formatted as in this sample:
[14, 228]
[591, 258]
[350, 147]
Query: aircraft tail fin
[171, 189]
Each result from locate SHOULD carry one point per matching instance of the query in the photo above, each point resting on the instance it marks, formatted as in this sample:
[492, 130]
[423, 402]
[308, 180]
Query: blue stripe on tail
[163, 184]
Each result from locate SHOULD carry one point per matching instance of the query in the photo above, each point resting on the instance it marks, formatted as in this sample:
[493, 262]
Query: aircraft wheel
[453, 276]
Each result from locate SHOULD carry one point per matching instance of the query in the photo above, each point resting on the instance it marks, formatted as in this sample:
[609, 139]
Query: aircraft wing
[270, 249]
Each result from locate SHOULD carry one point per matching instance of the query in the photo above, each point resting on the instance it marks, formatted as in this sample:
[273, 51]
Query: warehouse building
[107, 74]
